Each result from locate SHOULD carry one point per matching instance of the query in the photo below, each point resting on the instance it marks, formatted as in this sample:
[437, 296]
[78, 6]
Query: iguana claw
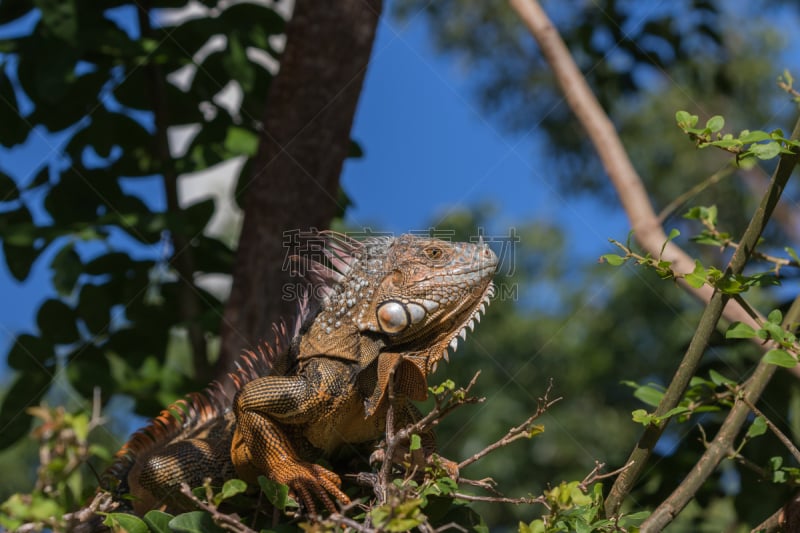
[308, 481]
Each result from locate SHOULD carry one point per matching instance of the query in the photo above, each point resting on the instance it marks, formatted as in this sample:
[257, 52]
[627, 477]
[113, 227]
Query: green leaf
[14, 9]
[740, 330]
[697, 278]
[766, 151]
[126, 522]
[685, 120]
[277, 493]
[158, 521]
[441, 388]
[27, 390]
[56, 321]
[673, 233]
[194, 522]
[231, 488]
[719, 379]
[613, 259]
[87, 366]
[780, 358]
[649, 394]
[757, 428]
[416, 442]
[30, 353]
[15, 129]
[755, 136]
[212, 255]
[726, 143]
[775, 316]
[94, 306]
[674, 411]
[8, 188]
[107, 263]
[237, 64]
[355, 151]
[715, 123]
[61, 18]
[19, 236]
[775, 331]
[240, 141]
[641, 416]
[793, 254]
[633, 519]
[66, 267]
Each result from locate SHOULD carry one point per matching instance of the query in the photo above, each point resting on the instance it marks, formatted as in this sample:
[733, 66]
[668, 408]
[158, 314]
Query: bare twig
[500, 499]
[786, 441]
[524, 430]
[340, 519]
[771, 524]
[748, 464]
[225, 521]
[450, 525]
[595, 475]
[487, 484]
[675, 204]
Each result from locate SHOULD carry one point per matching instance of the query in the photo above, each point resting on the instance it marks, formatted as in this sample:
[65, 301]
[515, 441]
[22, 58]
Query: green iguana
[388, 309]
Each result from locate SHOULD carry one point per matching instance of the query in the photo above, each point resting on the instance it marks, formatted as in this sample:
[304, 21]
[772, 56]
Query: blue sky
[430, 148]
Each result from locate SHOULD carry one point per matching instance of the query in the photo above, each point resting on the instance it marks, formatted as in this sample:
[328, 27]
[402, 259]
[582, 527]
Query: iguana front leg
[265, 409]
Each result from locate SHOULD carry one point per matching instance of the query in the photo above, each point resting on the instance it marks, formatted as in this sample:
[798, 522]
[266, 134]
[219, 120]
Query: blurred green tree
[135, 312]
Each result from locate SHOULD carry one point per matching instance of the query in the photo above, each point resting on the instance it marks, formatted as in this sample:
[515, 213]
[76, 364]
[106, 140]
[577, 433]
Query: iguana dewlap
[389, 309]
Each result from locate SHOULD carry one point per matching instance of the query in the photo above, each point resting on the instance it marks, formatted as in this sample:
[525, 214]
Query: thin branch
[748, 464]
[342, 520]
[771, 524]
[595, 475]
[786, 441]
[722, 444]
[499, 499]
[681, 199]
[524, 430]
[450, 525]
[225, 521]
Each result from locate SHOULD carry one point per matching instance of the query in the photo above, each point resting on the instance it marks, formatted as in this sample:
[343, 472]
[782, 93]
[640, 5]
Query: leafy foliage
[115, 85]
[64, 476]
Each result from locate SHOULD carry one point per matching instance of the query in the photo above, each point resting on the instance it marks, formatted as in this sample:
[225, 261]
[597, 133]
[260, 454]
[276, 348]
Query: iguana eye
[392, 317]
[434, 252]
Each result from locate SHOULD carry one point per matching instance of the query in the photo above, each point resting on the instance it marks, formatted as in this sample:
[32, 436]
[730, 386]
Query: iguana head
[429, 293]
[415, 294]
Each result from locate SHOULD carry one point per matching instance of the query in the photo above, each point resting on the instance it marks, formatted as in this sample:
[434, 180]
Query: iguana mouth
[475, 314]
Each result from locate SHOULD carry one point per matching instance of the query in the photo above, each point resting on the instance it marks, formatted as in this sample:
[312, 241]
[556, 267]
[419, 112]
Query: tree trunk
[295, 180]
